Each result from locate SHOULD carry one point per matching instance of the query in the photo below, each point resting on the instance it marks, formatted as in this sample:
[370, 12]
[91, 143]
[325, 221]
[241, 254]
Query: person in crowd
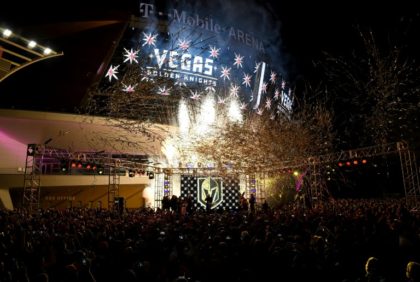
[252, 202]
[412, 271]
[243, 202]
[209, 202]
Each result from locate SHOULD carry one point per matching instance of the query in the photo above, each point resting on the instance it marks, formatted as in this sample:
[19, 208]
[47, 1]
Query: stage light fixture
[31, 44]
[100, 170]
[63, 166]
[7, 33]
[364, 161]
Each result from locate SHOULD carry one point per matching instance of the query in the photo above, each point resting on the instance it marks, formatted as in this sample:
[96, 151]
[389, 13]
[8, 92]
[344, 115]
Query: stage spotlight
[364, 161]
[31, 44]
[340, 164]
[348, 163]
[7, 33]
[73, 164]
[64, 166]
[355, 162]
[100, 170]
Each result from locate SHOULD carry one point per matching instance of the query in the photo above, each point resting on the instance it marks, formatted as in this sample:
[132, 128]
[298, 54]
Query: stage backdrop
[225, 192]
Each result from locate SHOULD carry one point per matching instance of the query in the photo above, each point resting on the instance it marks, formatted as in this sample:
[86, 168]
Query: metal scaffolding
[318, 191]
[315, 185]
[159, 189]
[32, 177]
[410, 176]
[113, 186]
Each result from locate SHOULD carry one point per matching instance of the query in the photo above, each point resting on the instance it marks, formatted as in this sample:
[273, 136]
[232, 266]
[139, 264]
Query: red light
[348, 163]
[364, 161]
[79, 165]
[340, 164]
[73, 164]
[88, 166]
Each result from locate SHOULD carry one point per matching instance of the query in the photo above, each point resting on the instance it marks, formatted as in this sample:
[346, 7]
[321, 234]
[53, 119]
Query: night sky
[305, 30]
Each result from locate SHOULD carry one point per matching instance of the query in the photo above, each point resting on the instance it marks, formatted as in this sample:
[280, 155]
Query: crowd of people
[345, 240]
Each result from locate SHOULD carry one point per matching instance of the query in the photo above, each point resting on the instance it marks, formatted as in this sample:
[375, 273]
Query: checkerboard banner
[224, 191]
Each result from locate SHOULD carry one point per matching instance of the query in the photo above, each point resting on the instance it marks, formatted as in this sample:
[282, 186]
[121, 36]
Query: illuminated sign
[203, 52]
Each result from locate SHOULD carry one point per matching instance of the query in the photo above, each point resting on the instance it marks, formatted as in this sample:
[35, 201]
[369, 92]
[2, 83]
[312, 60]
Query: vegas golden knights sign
[209, 186]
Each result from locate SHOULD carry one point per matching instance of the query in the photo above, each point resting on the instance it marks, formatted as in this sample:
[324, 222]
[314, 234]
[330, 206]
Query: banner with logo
[224, 192]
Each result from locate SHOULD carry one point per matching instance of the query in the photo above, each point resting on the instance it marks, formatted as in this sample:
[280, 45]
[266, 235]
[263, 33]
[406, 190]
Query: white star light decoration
[242, 106]
[149, 39]
[220, 100]
[246, 80]
[184, 44]
[273, 77]
[163, 91]
[131, 56]
[210, 89]
[234, 90]
[238, 60]
[194, 95]
[257, 66]
[180, 83]
[214, 52]
[147, 78]
[260, 112]
[225, 73]
[268, 103]
[276, 94]
[129, 88]
[264, 87]
[283, 84]
[112, 72]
